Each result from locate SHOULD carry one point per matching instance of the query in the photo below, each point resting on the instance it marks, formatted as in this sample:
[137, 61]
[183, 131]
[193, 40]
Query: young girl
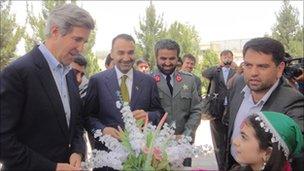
[267, 141]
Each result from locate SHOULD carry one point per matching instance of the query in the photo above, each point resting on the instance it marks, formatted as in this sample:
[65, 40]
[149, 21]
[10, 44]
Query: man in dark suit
[40, 127]
[138, 89]
[262, 88]
[218, 77]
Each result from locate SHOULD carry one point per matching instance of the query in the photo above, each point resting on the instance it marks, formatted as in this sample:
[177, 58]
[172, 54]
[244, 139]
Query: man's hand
[140, 114]
[75, 160]
[65, 166]
[177, 137]
[112, 132]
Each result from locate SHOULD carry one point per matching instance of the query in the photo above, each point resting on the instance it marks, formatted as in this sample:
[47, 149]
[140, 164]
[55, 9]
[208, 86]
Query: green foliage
[186, 36]
[10, 34]
[125, 141]
[288, 31]
[163, 164]
[210, 58]
[140, 123]
[37, 24]
[149, 140]
[151, 30]
[134, 163]
[92, 66]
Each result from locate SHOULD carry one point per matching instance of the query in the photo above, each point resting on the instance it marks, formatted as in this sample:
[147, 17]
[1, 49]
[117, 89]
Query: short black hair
[123, 36]
[224, 52]
[268, 46]
[166, 44]
[80, 60]
[109, 59]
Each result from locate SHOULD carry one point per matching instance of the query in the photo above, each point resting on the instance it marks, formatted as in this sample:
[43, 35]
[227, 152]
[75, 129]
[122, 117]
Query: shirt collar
[164, 75]
[120, 74]
[248, 93]
[51, 60]
[225, 69]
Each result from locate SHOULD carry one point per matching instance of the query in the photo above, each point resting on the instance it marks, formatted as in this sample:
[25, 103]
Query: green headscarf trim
[284, 130]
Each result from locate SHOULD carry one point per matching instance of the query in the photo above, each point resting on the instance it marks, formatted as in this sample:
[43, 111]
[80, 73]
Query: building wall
[235, 45]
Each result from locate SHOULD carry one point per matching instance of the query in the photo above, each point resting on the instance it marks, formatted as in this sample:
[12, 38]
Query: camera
[293, 67]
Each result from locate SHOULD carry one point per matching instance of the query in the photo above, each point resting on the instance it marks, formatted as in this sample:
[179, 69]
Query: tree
[37, 25]
[92, 66]
[37, 22]
[186, 36]
[210, 58]
[287, 29]
[10, 34]
[151, 30]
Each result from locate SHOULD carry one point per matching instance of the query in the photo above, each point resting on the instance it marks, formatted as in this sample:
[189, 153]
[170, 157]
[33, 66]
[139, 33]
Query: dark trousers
[219, 139]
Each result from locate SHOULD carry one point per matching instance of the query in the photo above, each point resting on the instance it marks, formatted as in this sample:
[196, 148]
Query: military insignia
[156, 78]
[185, 87]
[178, 78]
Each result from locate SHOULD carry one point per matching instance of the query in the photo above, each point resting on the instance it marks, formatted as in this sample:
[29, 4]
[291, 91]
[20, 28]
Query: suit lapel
[51, 90]
[221, 76]
[163, 84]
[73, 94]
[234, 109]
[112, 84]
[230, 74]
[136, 88]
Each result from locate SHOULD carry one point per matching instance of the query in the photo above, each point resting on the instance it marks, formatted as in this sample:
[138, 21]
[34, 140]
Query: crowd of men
[47, 102]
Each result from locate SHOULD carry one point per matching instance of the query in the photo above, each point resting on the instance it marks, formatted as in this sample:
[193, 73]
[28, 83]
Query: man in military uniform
[188, 65]
[177, 91]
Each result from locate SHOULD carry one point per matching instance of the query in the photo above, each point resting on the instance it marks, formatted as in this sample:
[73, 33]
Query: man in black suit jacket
[40, 106]
[218, 77]
[262, 88]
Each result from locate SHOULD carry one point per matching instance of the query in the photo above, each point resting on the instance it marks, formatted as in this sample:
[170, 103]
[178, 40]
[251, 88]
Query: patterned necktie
[124, 89]
[168, 78]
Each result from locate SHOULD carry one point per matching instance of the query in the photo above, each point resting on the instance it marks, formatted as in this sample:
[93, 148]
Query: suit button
[69, 145]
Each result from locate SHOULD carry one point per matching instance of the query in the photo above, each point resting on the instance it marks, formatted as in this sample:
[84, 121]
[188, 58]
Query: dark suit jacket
[33, 132]
[284, 99]
[101, 98]
[216, 77]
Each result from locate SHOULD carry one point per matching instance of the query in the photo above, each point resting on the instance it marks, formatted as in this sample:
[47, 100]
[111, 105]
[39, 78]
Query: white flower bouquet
[142, 148]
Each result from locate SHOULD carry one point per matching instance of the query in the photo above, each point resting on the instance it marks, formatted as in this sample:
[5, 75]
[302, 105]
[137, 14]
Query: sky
[214, 20]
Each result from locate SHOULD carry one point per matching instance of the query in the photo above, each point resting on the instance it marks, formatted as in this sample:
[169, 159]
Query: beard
[262, 87]
[166, 72]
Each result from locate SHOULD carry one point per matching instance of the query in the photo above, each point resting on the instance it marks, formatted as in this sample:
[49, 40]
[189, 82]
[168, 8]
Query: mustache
[164, 65]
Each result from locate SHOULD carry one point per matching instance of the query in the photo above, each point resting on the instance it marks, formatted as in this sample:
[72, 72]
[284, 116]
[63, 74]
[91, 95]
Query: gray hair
[166, 44]
[68, 16]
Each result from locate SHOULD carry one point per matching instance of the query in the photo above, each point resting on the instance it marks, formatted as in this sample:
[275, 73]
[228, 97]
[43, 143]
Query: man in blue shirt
[40, 105]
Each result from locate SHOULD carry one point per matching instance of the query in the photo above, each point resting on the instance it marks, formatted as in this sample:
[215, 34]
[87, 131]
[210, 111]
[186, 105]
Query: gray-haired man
[40, 104]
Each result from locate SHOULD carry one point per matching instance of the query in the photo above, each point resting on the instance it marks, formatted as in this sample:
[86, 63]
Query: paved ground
[203, 137]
